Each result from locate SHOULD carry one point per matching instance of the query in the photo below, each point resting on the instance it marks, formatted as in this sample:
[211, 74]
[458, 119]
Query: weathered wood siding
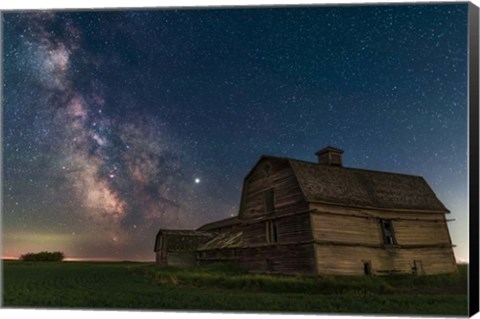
[363, 226]
[347, 260]
[344, 229]
[161, 258]
[374, 212]
[288, 196]
[346, 238]
[290, 229]
[293, 251]
[421, 232]
[176, 258]
[227, 255]
[285, 259]
[348, 229]
[181, 259]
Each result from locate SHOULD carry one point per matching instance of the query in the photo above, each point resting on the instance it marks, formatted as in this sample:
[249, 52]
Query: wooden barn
[323, 218]
[178, 247]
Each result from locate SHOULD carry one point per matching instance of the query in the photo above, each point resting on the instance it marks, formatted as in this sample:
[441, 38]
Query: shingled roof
[227, 222]
[364, 188]
[182, 239]
[232, 239]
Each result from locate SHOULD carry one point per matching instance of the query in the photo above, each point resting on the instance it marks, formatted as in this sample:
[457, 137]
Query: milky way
[119, 123]
[122, 176]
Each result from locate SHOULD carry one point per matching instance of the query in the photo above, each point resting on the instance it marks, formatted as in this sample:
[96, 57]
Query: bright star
[197, 180]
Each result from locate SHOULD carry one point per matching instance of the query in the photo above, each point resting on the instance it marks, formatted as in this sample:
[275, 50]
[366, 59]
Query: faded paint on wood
[344, 260]
[337, 228]
[290, 229]
[421, 232]
[271, 175]
[286, 259]
[409, 228]
[377, 213]
[175, 258]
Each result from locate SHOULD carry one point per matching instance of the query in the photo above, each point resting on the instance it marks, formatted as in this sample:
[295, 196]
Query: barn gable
[270, 188]
[297, 180]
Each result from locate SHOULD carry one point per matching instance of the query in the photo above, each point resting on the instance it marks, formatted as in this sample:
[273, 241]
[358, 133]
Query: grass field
[145, 286]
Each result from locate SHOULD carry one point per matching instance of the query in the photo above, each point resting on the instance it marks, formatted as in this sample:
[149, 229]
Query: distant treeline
[43, 256]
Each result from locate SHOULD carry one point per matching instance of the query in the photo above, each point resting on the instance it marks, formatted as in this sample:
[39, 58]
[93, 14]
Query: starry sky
[118, 123]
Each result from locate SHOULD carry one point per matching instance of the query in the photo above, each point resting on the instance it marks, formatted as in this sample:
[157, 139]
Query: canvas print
[303, 159]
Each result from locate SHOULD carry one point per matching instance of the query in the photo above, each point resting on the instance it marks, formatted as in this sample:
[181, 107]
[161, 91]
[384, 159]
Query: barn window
[367, 267]
[388, 234]
[269, 201]
[271, 231]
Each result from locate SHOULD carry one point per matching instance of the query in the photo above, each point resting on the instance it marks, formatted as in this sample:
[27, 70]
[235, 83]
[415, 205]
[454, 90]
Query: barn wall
[287, 193]
[161, 258]
[286, 259]
[345, 260]
[338, 228]
[376, 213]
[421, 232]
[347, 237]
[363, 226]
[290, 229]
[226, 255]
[181, 259]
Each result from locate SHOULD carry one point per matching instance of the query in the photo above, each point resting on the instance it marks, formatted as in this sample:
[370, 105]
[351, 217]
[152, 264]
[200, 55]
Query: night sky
[118, 123]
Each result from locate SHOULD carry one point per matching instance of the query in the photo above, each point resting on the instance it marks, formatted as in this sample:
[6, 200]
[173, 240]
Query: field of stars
[118, 123]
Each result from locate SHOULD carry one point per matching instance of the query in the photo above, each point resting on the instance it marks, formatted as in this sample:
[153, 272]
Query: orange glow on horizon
[86, 259]
[105, 259]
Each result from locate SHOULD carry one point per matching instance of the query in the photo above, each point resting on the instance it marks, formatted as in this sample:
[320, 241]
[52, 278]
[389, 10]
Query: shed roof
[186, 232]
[181, 239]
[233, 239]
[361, 188]
[219, 224]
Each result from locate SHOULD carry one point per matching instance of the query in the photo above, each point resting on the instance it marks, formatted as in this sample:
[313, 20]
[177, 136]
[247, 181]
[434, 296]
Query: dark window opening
[388, 234]
[269, 201]
[367, 268]
[271, 231]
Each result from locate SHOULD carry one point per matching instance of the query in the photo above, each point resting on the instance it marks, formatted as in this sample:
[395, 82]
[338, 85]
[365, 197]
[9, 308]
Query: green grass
[145, 286]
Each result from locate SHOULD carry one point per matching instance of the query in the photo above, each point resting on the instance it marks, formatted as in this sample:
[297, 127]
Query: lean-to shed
[178, 247]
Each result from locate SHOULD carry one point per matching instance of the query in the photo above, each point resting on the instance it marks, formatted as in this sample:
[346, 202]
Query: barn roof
[357, 187]
[362, 188]
[175, 232]
[182, 238]
[233, 239]
[219, 224]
